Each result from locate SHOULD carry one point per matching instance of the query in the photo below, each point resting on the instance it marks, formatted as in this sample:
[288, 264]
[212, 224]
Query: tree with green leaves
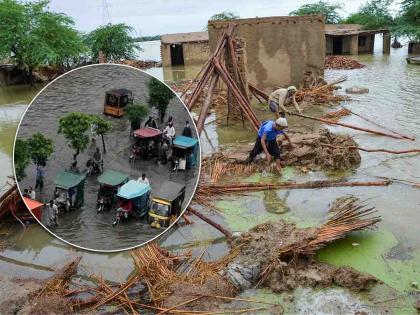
[374, 14]
[114, 41]
[31, 36]
[224, 16]
[101, 127]
[408, 21]
[159, 96]
[329, 10]
[40, 148]
[135, 113]
[21, 158]
[74, 127]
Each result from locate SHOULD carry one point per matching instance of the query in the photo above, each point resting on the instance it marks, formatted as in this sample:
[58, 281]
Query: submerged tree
[101, 127]
[74, 127]
[114, 41]
[159, 96]
[31, 36]
[408, 20]
[135, 113]
[374, 14]
[328, 10]
[40, 148]
[21, 158]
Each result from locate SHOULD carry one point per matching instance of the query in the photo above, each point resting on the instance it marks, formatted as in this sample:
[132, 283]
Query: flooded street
[84, 227]
[390, 253]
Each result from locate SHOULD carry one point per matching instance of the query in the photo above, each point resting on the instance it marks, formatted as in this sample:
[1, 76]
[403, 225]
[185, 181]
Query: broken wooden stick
[372, 150]
[211, 222]
[379, 125]
[330, 122]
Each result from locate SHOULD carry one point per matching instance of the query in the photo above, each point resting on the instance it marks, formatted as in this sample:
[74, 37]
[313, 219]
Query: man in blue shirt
[266, 140]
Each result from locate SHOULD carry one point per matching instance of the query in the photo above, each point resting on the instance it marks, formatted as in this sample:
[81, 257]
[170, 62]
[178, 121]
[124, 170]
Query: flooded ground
[391, 252]
[84, 90]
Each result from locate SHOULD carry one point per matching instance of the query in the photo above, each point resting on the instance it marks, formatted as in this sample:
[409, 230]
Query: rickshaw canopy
[184, 142]
[169, 191]
[112, 178]
[133, 189]
[32, 204]
[147, 132]
[119, 92]
[67, 180]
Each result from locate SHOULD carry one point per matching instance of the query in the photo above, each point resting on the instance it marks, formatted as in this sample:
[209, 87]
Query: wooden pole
[330, 122]
[379, 125]
[372, 150]
[207, 103]
[211, 222]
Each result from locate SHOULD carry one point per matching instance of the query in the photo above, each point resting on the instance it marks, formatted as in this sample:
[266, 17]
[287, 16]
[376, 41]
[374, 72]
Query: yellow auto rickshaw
[116, 100]
[166, 204]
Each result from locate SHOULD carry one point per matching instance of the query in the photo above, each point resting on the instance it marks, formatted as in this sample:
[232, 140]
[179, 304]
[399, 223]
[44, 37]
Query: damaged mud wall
[279, 49]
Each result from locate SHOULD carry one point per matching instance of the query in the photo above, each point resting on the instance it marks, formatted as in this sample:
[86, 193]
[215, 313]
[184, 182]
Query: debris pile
[337, 115]
[280, 256]
[323, 150]
[342, 62]
[141, 64]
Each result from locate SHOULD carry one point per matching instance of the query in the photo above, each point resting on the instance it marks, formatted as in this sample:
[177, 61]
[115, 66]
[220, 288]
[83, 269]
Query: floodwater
[390, 252]
[84, 90]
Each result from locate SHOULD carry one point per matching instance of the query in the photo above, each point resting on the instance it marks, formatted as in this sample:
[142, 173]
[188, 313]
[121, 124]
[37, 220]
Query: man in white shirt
[279, 98]
[31, 193]
[169, 131]
[143, 179]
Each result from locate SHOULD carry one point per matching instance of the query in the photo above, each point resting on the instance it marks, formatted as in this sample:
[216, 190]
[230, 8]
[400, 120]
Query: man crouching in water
[266, 141]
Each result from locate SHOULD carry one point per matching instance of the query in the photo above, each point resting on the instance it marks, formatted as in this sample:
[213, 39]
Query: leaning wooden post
[211, 222]
[207, 103]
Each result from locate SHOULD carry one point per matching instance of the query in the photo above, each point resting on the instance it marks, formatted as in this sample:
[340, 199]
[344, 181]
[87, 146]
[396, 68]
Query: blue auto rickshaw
[185, 153]
[133, 200]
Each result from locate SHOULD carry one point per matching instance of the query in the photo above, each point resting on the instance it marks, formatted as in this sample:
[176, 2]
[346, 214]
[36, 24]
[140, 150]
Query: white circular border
[167, 230]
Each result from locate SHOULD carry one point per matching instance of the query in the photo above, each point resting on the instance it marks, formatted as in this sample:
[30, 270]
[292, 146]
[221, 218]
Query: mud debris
[342, 62]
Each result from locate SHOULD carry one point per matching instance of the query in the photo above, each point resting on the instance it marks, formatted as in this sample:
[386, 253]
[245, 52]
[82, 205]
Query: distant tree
[147, 38]
[102, 127]
[21, 158]
[159, 96]
[374, 14]
[40, 148]
[31, 36]
[114, 41]
[225, 15]
[74, 127]
[328, 10]
[408, 20]
[135, 113]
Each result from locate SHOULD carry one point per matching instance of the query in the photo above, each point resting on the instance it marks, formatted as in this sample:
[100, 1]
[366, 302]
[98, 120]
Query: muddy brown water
[83, 90]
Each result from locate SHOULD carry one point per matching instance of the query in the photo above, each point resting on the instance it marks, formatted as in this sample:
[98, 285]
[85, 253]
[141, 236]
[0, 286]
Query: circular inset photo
[107, 157]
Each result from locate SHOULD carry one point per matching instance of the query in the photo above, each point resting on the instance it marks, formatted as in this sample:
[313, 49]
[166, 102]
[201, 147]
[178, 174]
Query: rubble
[342, 62]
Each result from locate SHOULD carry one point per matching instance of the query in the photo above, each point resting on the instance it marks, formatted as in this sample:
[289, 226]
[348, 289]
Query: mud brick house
[278, 49]
[184, 49]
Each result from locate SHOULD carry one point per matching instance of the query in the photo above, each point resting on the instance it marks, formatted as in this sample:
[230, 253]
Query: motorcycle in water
[93, 167]
[103, 204]
[123, 212]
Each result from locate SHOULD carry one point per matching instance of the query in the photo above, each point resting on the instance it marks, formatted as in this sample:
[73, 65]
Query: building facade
[184, 49]
[279, 50]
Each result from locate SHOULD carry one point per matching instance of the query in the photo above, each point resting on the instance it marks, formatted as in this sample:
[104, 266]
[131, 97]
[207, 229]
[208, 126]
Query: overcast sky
[172, 16]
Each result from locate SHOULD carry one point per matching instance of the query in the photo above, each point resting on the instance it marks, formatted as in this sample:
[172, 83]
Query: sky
[172, 16]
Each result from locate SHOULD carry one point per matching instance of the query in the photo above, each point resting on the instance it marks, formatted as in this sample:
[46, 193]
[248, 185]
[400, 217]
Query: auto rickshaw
[69, 190]
[147, 143]
[166, 204]
[116, 100]
[109, 183]
[185, 153]
[133, 201]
